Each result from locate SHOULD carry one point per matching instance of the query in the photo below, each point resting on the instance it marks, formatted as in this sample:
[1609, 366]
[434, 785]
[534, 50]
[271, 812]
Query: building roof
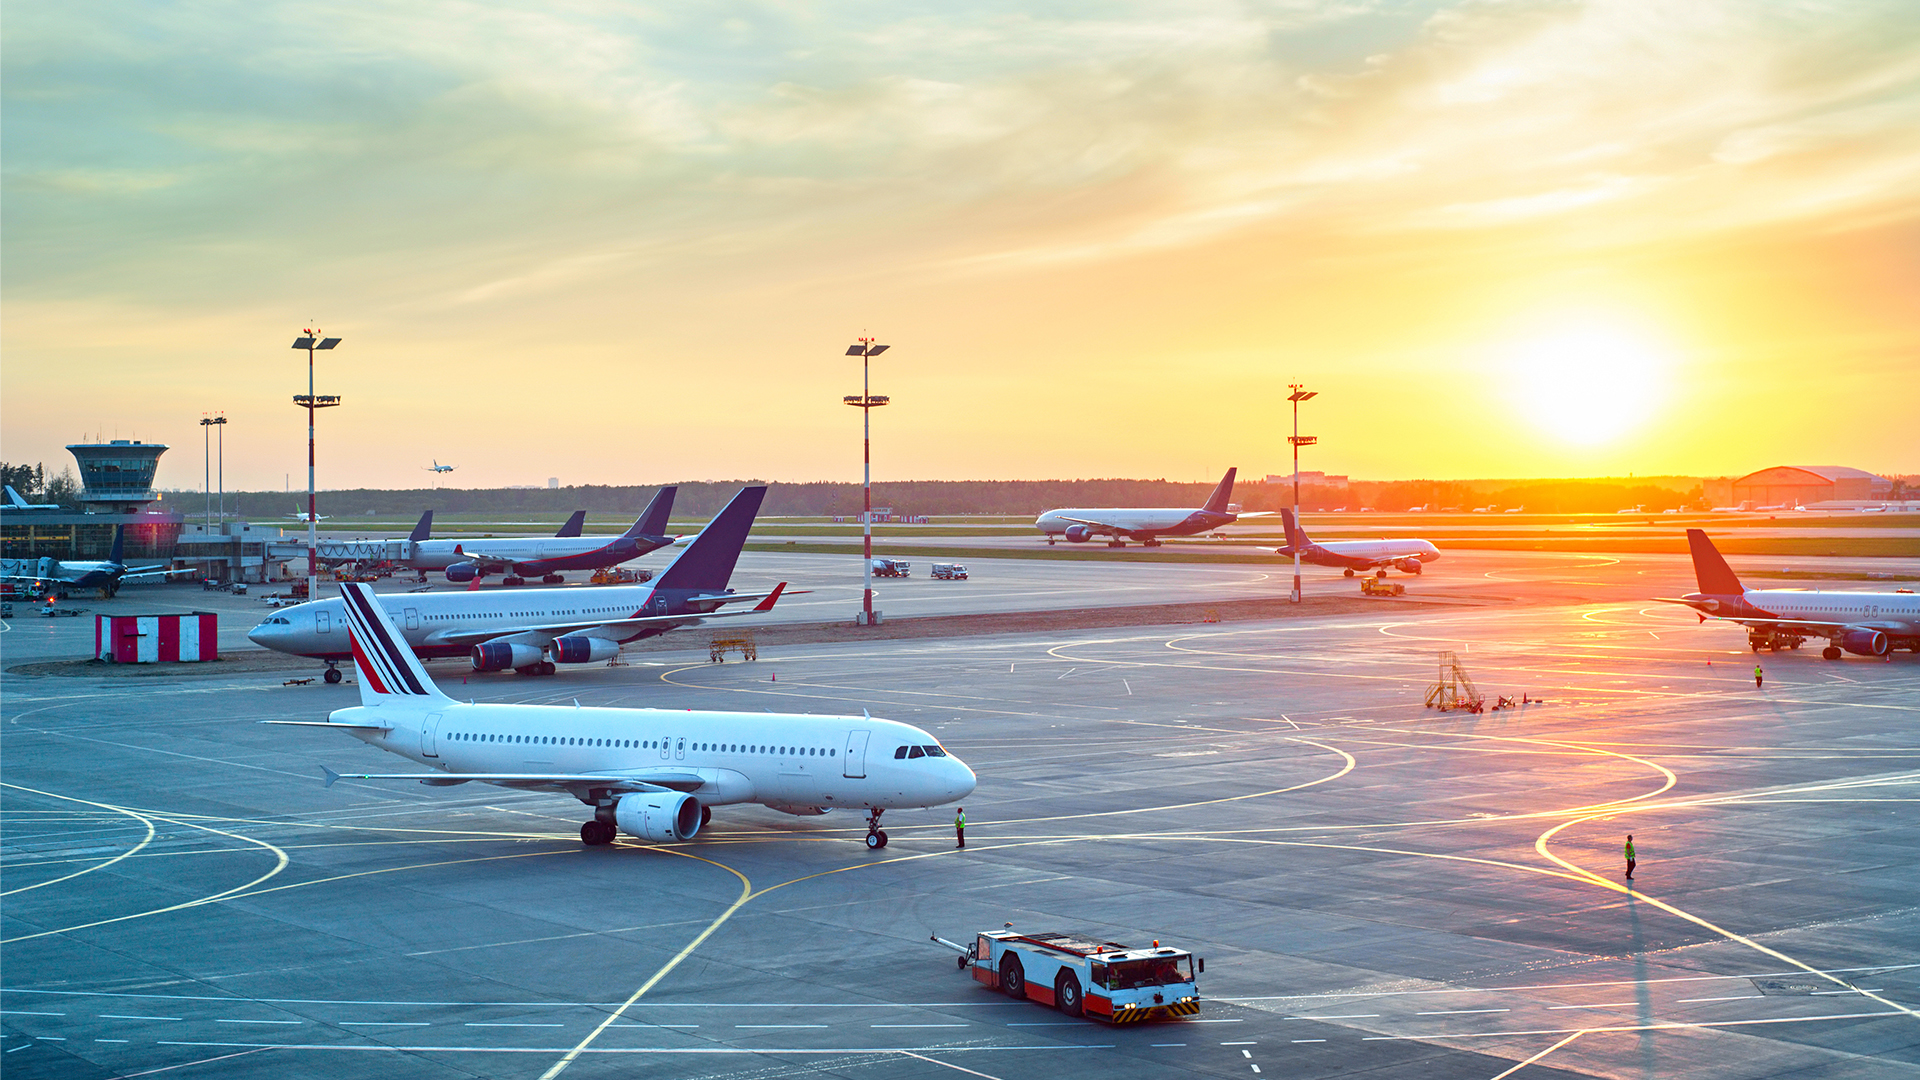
[1828, 473]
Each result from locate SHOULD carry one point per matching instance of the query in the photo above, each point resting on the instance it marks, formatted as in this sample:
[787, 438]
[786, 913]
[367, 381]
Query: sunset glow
[629, 244]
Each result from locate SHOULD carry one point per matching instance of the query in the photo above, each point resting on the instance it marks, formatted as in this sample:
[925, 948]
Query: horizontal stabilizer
[330, 724]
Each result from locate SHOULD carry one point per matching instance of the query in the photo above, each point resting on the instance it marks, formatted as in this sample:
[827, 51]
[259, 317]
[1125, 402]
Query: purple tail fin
[1217, 502]
[1715, 576]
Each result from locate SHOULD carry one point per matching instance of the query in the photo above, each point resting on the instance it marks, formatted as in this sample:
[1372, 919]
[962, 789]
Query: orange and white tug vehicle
[1080, 976]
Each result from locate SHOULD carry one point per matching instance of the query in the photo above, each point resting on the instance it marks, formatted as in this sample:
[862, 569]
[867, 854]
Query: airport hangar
[1377, 887]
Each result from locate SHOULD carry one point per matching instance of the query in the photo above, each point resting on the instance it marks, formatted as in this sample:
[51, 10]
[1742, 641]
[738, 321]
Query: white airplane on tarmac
[532, 631]
[650, 773]
[1146, 525]
[1357, 555]
[1862, 623]
[521, 557]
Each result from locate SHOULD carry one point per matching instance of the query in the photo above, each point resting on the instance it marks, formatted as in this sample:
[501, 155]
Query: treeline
[699, 499]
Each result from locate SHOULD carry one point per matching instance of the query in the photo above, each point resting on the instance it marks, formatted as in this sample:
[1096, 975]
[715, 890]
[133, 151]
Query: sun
[1587, 383]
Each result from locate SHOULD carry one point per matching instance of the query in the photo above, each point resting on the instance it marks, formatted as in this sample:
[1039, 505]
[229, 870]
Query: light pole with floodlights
[866, 403]
[313, 342]
[208, 422]
[1298, 440]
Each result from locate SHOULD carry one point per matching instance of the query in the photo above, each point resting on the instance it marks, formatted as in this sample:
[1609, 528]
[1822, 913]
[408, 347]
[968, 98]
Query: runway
[1374, 885]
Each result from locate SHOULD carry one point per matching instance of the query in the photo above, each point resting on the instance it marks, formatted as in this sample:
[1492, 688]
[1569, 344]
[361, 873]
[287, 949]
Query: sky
[629, 243]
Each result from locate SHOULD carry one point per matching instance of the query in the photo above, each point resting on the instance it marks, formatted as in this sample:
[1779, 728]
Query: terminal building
[116, 481]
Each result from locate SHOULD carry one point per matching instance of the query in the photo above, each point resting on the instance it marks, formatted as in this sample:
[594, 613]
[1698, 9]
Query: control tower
[117, 477]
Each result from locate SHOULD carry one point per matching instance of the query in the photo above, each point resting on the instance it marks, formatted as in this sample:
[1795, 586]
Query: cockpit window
[917, 751]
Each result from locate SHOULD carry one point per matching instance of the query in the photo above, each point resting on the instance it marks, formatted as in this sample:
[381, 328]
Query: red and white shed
[147, 639]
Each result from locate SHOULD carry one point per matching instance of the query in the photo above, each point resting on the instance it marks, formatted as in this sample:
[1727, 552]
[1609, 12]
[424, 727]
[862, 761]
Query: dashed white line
[1309, 1040]
[384, 1023]
[267, 1022]
[779, 1026]
[1166, 1044]
[24, 1012]
[916, 1025]
[1606, 1005]
[113, 1040]
[477, 1024]
[1458, 1012]
[1744, 997]
[116, 1016]
[1347, 1016]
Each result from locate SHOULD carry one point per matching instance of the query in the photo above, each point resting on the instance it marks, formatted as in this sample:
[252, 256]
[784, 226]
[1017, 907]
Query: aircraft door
[322, 623]
[666, 748]
[855, 767]
[680, 748]
[413, 618]
[429, 734]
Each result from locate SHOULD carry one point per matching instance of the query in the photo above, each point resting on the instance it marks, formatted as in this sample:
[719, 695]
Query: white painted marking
[1605, 1005]
[24, 1012]
[1255, 1068]
[519, 1025]
[1743, 997]
[1347, 1016]
[1051, 1023]
[22, 1046]
[384, 1023]
[917, 1025]
[257, 1021]
[1309, 1040]
[1231, 1021]
[656, 1025]
[113, 1040]
[779, 1025]
[1149, 1044]
[118, 1016]
[1824, 993]
[1246, 1053]
[51, 1038]
[1457, 1012]
[1243, 1042]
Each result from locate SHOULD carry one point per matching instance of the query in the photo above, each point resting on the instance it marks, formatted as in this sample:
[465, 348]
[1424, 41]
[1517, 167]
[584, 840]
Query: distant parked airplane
[15, 502]
[1147, 526]
[522, 557]
[1356, 555]
[64, 575]
[301, 515]
[1863, 623]
[436, 467]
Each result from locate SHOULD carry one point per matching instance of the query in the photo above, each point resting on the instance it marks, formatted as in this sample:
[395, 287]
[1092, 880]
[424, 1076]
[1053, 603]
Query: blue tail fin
[1217, 502]
[119, 552]
[574, 524]
[1296, 536]
[653, 520]
[423, 530]
[707, 564]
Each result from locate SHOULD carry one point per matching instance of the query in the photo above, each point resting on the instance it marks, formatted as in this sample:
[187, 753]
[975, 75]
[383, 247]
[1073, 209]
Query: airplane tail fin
[119, 552]
[423, 530]
[13, 497]
[708, 562]
[1217, 502]
[1709, 568]
[653, 520]
[574, 524]
[1296, 536]
[388, 668]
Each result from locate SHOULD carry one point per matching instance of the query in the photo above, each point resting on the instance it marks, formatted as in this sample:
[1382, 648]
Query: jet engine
[497, 656]
[462, 572]
[1079, 534]
[659, 816]
[1408, 566]
[1865, 642]
[583, 650]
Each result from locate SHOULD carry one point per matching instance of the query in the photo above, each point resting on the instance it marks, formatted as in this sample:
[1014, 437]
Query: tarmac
[1378, 888]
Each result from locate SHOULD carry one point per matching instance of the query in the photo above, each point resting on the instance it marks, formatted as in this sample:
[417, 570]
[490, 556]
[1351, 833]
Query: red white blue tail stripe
[388, 668]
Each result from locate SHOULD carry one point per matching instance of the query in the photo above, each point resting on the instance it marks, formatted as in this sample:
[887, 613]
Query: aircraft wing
[1103, 526]
[620, 627]
[154, 571]
[638, 780]
[484, 560]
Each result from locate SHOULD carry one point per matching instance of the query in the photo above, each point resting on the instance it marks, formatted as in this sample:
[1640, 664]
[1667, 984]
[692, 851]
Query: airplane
[1357, 555]
[436, 467]
[301, 515]
[1079, 526]
[15, 502]
[64, 575]
[1862, 623]
[654, 774]
[531, 632]
[520, 557]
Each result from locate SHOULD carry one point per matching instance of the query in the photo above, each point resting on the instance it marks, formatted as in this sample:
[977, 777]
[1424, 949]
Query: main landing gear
[597, 833]
[544, 667]
[875, 838]
[333, 672]
[511, 581]
[1831, 652]
[553, 579]
[1349, 571]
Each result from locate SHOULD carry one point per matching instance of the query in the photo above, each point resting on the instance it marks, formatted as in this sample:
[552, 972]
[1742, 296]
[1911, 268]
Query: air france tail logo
[387, 665]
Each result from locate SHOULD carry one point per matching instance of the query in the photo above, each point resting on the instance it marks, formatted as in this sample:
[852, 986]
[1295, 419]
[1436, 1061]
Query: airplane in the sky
[1357, 555]
[532, 631]
[62, 576]
[1146, 525]
[522, 557]
[1862, 623]
[436, 467]
[15, 502]
[653, 774]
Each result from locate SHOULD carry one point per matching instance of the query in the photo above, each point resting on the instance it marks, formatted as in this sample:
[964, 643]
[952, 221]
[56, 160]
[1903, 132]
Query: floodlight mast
[1298, 440]
[867, 402]
[312, 342]
[209, 421]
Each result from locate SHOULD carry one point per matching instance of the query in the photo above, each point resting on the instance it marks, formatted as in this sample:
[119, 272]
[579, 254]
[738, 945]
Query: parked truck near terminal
[1082, 976]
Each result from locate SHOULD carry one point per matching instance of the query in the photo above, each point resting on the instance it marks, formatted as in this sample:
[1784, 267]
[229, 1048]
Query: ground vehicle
[1374, 586]
[891, 568]
[1080, 975]
[949, 571]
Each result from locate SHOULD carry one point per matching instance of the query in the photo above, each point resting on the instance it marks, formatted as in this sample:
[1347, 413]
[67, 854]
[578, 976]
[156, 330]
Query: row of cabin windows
[900, 752]
[644, 744]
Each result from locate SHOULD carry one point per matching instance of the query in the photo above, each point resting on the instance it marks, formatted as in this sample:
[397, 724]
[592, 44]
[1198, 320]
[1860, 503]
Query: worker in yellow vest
[1629, 856]
[960, 827]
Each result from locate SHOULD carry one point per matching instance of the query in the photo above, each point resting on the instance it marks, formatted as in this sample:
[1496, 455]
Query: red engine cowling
[498, 656]
[580, 649]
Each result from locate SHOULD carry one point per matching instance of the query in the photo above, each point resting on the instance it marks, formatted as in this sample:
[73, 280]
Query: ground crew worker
[1756, 676]
[960, 827]
[1629, 856]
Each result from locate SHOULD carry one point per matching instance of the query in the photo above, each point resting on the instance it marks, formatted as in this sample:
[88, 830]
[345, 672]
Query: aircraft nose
[962, 781]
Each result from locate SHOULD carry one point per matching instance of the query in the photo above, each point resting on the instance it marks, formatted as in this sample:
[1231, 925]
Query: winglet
[1217, 502]
[1709, 568]
[331, 776]
[772, 598]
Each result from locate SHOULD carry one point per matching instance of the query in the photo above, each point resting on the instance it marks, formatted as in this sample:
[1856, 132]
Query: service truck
[890, 568]
[1083, 976]
[949, 571]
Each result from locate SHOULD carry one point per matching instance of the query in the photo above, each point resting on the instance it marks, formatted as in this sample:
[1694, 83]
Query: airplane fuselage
[790, 760]
[1816, 613]
[316, 628]
[1130, 524]
[1407, 555]
[534, 555]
